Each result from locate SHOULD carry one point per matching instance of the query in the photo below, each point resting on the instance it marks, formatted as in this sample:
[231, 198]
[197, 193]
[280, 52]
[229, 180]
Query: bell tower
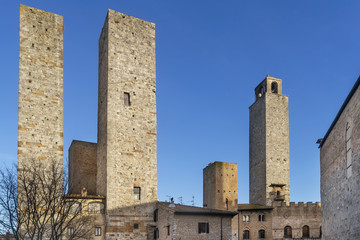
[269, 144]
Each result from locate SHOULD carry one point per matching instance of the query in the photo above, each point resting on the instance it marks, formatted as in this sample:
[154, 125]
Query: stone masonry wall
[82, 167]
[340, 194]
[220, 183]
[296, 216]
[40, 122]
[127, 129]
[257, 153]
[269, 144]
[277, 146]
[253, 225]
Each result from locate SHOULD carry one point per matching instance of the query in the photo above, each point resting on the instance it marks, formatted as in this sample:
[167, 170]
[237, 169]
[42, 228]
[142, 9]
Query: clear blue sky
[210, 57]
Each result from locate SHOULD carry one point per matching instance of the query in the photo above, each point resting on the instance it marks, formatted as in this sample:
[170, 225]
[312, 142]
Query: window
[274, 87]
[227, 204]
[156, 215]
[127, 99]
[137, 191]
[287, 232]
[261, 233]
[246, 234]
[348, 151]
[306, 231]
[136, 226]
[70, 231]
[246, 218]
[168, 230]
[156, 233]
[203, 227]
[261, 217]
[97, 231]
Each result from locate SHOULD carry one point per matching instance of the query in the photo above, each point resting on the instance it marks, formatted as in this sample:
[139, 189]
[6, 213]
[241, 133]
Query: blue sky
[210, 57]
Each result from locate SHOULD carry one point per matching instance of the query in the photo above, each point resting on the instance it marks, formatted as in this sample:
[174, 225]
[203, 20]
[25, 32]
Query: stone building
[340, 171]
[117, 176]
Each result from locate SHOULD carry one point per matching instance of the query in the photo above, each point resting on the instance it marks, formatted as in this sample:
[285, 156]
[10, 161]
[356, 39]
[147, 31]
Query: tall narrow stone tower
[269, 144]
[126, 154]
[220, 186]
[40, 120]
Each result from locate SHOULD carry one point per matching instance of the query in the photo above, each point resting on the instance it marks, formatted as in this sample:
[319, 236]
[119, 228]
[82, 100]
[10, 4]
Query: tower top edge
[24, 8]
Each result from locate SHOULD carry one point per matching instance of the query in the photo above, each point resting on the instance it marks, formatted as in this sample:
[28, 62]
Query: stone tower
[126, 149]
[269, 144]
[40, 120]
[220, 186]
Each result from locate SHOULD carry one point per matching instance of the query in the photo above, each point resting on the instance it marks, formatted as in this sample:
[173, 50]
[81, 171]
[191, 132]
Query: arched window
[274, 87]
[261, 217]
[348, 150]
[246, 234]
[287, 232]
[306, 231]
[261, 233]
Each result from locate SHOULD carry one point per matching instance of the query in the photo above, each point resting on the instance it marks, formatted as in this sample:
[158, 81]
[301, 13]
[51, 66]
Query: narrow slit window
[137, 192]
[127, 99]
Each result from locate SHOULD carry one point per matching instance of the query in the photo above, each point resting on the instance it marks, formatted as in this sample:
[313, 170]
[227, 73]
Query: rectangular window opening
[203, 227]
[97, 231]
[127, 99]
[137, 192]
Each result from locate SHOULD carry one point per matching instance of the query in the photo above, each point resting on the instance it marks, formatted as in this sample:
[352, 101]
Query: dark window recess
[156, 215]
[287, 232]
[203, 227]
[261, 233]
[261, 217]
[137, 192]
[274, 87]
[306, 231]
[246, 234]
[168, 230]
[156, 233]
[136, 226]
[127, 99]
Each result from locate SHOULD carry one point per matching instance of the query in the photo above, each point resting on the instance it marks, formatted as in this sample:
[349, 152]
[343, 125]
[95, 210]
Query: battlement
[296, 205]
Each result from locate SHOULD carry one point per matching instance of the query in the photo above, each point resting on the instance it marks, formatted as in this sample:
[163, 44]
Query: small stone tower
[40, 120]
[220, 186]
[269, 144]
[126, 148]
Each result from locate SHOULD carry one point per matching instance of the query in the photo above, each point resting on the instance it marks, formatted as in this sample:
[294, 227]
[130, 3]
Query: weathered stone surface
[186, 225]
[40, 122]
[340, 192]
[296, 216]
[126, 154]
[82, 167]
[269, 144]
[220, 186]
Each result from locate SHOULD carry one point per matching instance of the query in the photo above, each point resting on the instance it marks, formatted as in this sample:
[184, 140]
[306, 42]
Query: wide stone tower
[126, 149]
[40, 120]
[269, 144]
[220, 186]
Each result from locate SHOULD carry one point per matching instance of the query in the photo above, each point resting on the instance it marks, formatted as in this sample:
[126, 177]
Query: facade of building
[118, 175]
[340, 171]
